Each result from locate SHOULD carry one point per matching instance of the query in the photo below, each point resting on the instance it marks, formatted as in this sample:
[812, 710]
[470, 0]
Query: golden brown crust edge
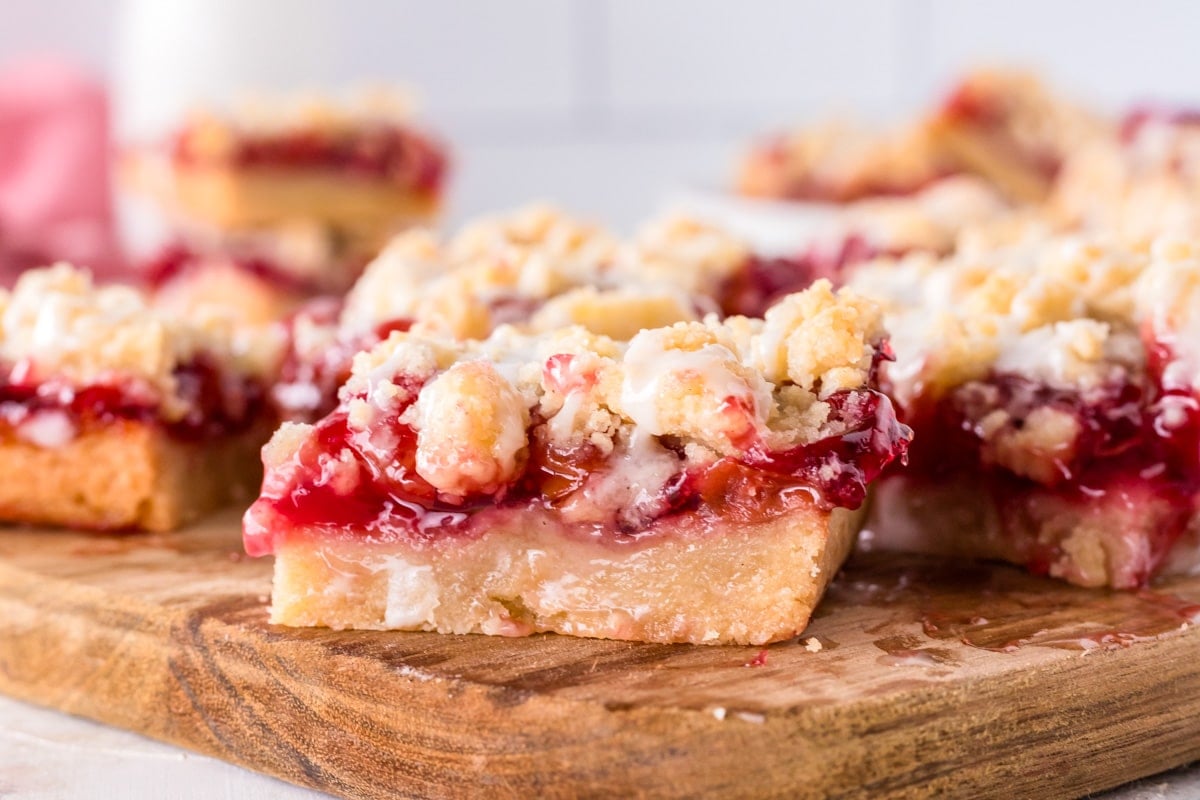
[128, 475]
[752, 584]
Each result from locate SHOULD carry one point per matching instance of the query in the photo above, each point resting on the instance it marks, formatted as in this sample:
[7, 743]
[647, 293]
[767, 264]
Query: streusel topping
[570, 243]
[713, 388]
[1168, 302]
[58, 324]
[510, 269]
[535, 268]
[502, 271]
[930, 218]
[617, 312]
[1144, 184]
[682, 252]
[1064, 311]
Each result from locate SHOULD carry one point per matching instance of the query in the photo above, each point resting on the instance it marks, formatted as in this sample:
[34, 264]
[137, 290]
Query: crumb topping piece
[470, 424]
[1167, 297]
[541, 267]
[1063, 310]
[680, 251]
[1138, 183]
[709, 383]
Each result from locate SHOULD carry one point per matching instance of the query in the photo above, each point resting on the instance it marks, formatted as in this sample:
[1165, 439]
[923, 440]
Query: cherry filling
[347, 483]
[761, 281]
[218, 403]
[380, 151]
[832, 472]
[308, 382]
[1136, 442]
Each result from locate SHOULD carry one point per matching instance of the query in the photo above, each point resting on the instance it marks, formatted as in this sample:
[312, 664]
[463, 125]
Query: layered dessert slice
[1052, 391]
[1009, 129]
[349, 167]
[113, 416]
[700, 483]
[303, 196]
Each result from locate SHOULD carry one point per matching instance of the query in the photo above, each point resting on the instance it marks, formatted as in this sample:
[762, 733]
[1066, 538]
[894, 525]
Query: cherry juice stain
[759, 660]
[999, 608]
[910, 651]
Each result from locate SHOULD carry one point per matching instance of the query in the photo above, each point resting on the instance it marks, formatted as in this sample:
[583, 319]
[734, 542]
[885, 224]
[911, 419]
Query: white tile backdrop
[604, 105]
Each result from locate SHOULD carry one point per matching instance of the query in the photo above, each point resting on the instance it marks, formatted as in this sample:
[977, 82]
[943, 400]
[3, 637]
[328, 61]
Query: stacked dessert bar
[271, 207]
[115, 415]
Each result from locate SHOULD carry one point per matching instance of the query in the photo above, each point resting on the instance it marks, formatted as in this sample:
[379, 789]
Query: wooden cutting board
[917, 678]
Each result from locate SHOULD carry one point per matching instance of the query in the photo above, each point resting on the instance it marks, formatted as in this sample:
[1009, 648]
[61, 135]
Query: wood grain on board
[917, 677]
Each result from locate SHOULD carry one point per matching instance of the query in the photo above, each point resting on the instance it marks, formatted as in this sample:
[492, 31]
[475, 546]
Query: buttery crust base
[246, 198]
[1105, 542]
[749, 584]
[127, 475]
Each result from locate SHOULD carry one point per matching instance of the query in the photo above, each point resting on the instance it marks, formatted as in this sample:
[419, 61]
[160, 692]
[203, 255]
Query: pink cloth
[55, 191]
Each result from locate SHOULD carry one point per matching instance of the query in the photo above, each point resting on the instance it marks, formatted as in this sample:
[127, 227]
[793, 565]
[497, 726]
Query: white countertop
[46, 755]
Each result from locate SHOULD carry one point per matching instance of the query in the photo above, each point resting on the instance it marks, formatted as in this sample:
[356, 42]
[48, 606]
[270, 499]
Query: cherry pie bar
[300, 198]
[113, 416]
[351, 168]
[700, 483]
[1052, 391]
